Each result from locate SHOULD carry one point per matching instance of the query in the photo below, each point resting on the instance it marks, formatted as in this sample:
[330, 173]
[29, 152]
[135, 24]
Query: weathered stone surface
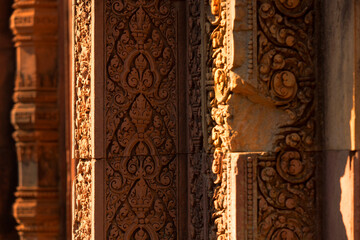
[338, 62]
[250, 120]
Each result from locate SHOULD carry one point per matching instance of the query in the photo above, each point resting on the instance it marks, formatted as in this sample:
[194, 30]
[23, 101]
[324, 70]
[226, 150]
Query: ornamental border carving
[284, 70]
[83, 188]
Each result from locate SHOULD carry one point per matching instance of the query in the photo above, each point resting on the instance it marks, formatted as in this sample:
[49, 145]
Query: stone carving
[221, 131]
[82, 52]
[285, 183]
[82, 121]
[287, 75]
[208, 122]
[35, 119]
[141, 118]
[83, 201]
[196, 158]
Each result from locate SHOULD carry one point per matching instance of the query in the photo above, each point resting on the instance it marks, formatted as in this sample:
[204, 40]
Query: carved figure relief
[141, 117]
[82, 52]
[82, 148]
[83, 202]
[219, 113]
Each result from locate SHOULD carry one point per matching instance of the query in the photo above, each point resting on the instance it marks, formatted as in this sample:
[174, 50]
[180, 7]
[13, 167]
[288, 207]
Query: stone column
[267, 131]
[130, 136]
[35, 118]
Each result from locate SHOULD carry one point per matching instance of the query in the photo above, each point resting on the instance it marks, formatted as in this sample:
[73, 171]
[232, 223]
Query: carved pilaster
[82, 122]
[35, 118]
[196, 157]
[265, 108]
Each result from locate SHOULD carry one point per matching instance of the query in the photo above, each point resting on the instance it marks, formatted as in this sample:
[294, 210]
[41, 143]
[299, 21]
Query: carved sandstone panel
[82, 122]
[286, 57]
[196, 156]
[82, 68]
[270, 111]
[141, 126]
[219, 112]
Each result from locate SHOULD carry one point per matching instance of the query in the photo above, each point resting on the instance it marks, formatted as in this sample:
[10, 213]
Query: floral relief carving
[286, 180]
[141, 120]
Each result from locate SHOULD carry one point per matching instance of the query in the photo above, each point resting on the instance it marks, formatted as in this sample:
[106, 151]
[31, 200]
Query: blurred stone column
[35, 118]
[8, 175]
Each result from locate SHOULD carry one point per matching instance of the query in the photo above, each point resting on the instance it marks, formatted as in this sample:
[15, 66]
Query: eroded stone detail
[141, 121]
[82, 122]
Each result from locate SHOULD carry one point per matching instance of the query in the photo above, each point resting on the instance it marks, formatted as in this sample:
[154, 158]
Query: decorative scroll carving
[286, 203]
[286, 70]
[196, 157]
[35, 119]
[285, 182]
[82, 123]
[141, 121]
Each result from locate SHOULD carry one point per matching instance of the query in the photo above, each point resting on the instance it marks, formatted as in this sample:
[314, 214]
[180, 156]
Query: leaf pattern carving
[141, 120]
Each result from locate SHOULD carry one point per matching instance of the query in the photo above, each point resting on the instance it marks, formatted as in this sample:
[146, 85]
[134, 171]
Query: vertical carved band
[82, 69]
[286, 181]
[221, 131]
[196, 157]
[35, 119]
[280, 75]
[141, 126]
[82, 120]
